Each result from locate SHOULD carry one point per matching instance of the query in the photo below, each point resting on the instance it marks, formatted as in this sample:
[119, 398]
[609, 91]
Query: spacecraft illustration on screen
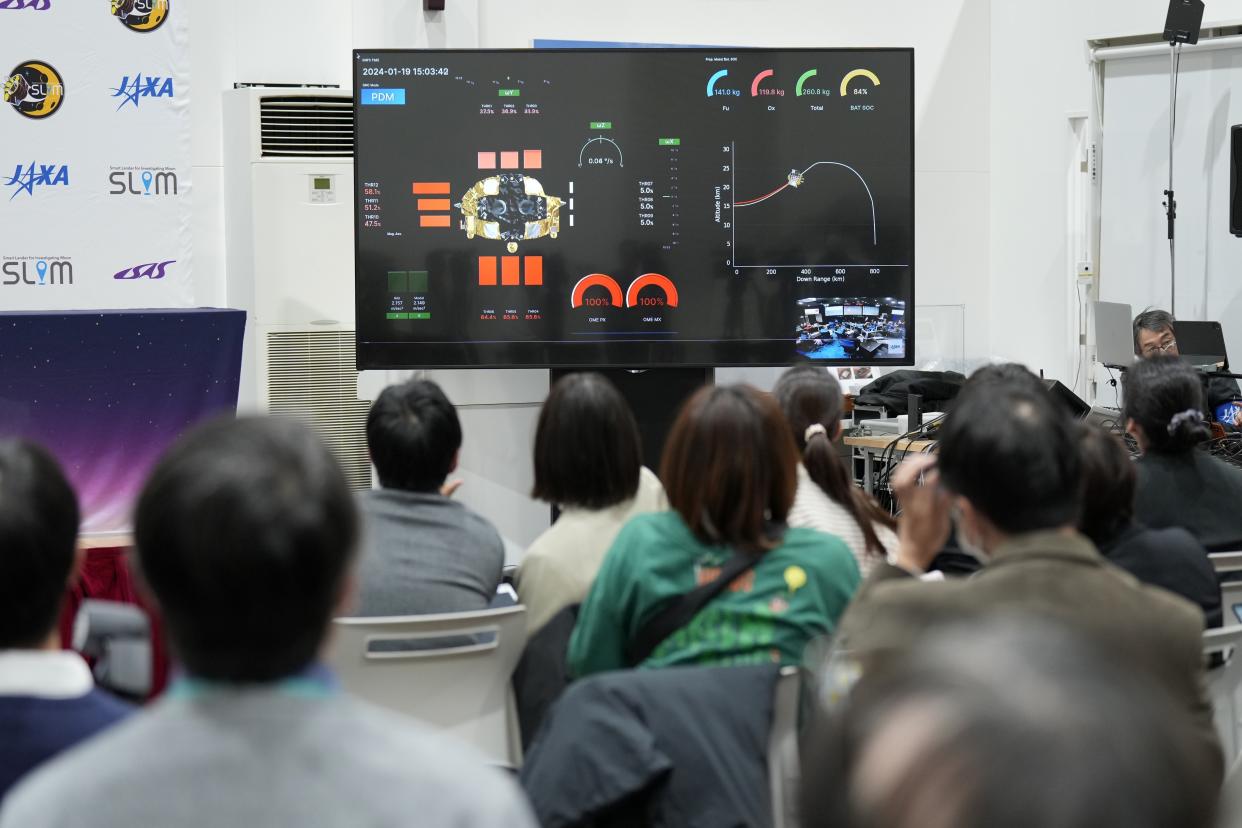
[509, 207]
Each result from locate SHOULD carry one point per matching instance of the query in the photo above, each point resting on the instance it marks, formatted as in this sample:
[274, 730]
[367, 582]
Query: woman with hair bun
[1179, 485]
[826, 498]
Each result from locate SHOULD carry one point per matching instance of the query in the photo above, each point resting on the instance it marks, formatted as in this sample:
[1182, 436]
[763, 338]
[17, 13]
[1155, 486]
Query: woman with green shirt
[730, 472]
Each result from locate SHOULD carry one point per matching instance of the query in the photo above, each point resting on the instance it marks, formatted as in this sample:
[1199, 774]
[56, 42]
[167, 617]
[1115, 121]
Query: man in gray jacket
[422, 551]
[1007, 475]
[244, 534]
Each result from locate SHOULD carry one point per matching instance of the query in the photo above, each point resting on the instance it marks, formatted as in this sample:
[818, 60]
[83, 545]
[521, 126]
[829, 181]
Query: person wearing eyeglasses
[1153, 336]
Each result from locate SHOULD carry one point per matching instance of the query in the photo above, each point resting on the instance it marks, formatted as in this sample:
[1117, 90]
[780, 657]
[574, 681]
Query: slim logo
[152, 270]
[143, 182]
[152, 86]
[38, 272]
[18, 5]
[25, 179]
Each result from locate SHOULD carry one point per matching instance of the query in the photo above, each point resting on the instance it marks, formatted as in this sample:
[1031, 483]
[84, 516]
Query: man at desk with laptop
[1202, 344]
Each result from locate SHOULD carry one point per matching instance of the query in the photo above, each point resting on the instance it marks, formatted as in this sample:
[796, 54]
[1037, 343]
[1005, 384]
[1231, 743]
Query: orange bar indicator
[431, 188]
[433, 221]
[532, 159]
[509, 160]
[487, 271]
[510, 270]
[435, 204]
[533, 265]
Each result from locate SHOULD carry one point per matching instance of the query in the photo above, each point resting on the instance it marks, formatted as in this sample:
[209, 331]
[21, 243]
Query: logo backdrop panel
[94, 155]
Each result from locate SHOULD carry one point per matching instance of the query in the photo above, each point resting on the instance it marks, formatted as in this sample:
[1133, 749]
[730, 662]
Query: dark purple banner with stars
[108, 391]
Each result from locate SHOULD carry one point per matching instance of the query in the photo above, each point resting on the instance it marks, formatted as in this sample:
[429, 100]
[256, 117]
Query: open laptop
[1202, 344]
[1114, 334]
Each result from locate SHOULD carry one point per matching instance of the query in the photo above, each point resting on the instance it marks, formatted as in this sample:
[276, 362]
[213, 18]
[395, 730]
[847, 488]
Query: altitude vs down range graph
[634, 208]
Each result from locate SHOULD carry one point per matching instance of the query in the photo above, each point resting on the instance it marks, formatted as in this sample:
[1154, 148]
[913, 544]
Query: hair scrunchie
[1190, 415]
[812, 430]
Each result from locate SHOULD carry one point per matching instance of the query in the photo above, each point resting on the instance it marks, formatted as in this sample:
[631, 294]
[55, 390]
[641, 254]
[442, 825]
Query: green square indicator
[601, 124]
[670, 142]
[418, 281]
[510, 93]
[398, 316]
[398, 281]
[421, 315]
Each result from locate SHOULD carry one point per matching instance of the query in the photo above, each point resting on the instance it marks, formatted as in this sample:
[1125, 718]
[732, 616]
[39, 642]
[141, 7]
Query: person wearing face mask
[1007, 474]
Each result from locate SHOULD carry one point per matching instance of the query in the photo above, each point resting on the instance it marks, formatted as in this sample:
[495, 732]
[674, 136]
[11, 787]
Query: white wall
[1040, 73]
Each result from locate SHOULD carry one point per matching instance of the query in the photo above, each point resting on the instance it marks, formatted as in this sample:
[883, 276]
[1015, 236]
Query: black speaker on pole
[1184, 21]
[1235, 170]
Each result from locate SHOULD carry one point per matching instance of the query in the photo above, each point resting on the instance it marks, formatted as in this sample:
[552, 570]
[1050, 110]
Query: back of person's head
[413, 435]
[1108, 485]
[813, 405]
[587, 449]
[1015, 723]
[1007, 375]
[1151, 320]
[1013, 453]
[245, 532]
[1164, 398]
[730, 467]
[38, 535]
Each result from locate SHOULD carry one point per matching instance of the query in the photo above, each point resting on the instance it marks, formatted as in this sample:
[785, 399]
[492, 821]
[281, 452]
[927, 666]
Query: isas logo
[34, 89]
[152, 270]
[133, 89]
[26, 179]
[33, 5]
[140, 15]
[139, 181]
[30, 270]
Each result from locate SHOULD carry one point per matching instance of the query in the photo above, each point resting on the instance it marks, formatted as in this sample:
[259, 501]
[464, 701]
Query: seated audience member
[1016, 722]
[588, 462]
[1008, 473]
[1179, 485]
[827, 498]
[245, 533]
[1169, 558]
[422, 551]
[48, 699]
[730, 470]
[1153, 336]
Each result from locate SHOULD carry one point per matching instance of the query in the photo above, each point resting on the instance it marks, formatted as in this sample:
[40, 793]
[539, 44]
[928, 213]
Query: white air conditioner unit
[288, 197]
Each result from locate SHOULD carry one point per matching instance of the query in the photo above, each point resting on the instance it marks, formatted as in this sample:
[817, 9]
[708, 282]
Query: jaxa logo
[25, 179]
[152, 270]
[34, 89]
[130, 91]
[18, 5]
[140, 15]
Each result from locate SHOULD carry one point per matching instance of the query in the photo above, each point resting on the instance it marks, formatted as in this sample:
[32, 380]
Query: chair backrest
[1222, 562]
[1224, 682]
[784, 766]
[462, 688]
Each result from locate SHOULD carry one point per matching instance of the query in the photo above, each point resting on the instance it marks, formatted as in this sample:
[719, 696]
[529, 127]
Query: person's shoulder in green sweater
[796, 591]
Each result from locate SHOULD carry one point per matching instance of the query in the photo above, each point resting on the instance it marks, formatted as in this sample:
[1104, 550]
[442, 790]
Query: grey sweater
[266, 757]
[425, 553]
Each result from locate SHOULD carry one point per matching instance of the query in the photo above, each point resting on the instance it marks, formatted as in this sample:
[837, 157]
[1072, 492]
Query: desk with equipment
[889, 449]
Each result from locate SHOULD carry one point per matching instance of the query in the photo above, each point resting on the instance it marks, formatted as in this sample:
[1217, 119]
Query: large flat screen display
[634, 208]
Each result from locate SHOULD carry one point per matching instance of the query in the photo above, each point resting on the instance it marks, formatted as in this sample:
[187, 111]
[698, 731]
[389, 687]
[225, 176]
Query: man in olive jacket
[1007, 475]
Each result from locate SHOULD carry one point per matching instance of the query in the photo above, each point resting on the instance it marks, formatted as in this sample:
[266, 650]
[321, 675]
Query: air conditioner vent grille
[311, 376]
[320, 125]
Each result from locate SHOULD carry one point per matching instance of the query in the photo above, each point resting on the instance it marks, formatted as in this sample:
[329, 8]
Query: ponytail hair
[812, 402]
[1164, 398]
